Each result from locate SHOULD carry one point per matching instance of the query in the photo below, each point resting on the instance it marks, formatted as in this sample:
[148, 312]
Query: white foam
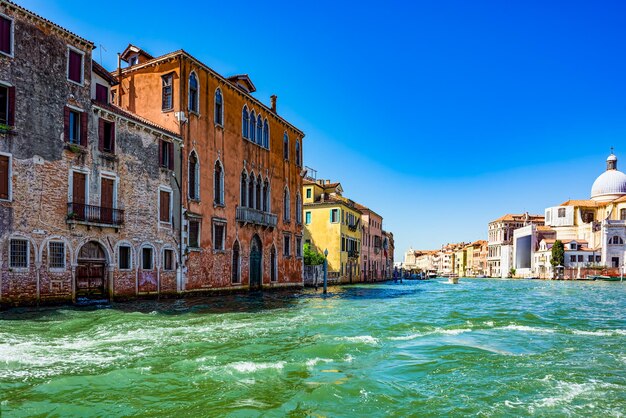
[250, 367]
[312, 362]
[605, 333]
[526, 328]
[365, 339]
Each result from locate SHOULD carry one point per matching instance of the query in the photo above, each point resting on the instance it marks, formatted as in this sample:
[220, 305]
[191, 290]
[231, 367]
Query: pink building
[373, 257]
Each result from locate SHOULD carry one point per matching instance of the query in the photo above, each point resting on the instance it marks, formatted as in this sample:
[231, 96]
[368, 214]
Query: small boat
[431, 276]
[608, 278]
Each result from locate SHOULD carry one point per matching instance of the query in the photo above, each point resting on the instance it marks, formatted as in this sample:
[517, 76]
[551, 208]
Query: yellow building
[332, 222]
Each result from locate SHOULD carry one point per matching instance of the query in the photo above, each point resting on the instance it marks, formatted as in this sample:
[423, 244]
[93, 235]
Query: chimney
[328, 181]
[119, 79]
[273, 98]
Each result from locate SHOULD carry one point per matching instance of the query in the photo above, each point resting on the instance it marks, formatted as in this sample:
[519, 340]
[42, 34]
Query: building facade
[373, 259]
[241, 170]
[332, 223]
[86, 207]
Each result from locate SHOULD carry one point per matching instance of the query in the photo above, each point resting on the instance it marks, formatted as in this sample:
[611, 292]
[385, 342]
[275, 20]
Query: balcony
[79, 213]
[256, 217]
[353, 254]
[354, 226]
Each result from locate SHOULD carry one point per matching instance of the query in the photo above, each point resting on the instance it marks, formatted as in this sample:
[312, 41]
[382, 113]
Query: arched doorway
[91, 273]
[256, 262]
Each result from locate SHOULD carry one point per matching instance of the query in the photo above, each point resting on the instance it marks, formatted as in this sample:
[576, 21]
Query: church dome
[611, 184]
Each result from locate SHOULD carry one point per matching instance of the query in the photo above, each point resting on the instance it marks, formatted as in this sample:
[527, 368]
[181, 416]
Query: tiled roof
[102, 72]
[43, 19]
[128, 115]
[519, 218]
[584, 203]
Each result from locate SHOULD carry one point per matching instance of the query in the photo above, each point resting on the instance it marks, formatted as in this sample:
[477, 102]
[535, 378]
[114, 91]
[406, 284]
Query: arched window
[259, 195]
[286, 146]
[252, 126]
[286, 206]
[616, 240]
[622, 214]
[244, 189]
[194, 176]
[266, 134]
[298, 209]
[298, 162]
[219, 108]
[273, 264]
[259, 130]
[236, 271]
[245, 118]
[193, 92]
[266, 196]
[218, 183]
[251, 185]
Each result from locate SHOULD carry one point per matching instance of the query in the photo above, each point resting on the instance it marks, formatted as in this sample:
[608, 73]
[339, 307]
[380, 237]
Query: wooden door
[4, 177]
[106, 200]
[90, 280]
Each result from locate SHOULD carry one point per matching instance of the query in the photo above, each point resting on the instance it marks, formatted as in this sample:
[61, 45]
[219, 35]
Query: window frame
[298, 244]
[218, 200]
[307, 217]
[196, 177]
[11, 265]
[82, 65]
[245, 121]
[235, 275]
[9, 177]
[196, 105]
[130, 257]
[170, 94]
[199, 234]
[336, 218]
[141, 254]
[285, 146]
[286, 245]
[56, 267]
[102, 137]
[172, 260]
[10, 54]
[222, 246]
[169, 191]
[218, 116]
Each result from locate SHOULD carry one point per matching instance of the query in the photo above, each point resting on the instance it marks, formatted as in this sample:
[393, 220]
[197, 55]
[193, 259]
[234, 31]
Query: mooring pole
[325, 271]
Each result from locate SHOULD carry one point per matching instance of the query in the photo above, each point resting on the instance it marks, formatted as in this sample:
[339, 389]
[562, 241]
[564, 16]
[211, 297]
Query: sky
[440, 116]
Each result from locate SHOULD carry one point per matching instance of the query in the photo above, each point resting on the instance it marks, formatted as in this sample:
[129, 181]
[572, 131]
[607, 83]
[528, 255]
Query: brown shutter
[164, 209]
[101, 134]
[106, 200]
[11, 115]
[66, 124]
[160, 145]
[84, 116]
[171, 161]
[112, 137]
[78, 189]
[4, 177]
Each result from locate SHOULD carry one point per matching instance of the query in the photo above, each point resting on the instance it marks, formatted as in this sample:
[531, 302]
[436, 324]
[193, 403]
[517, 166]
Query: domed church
[611, 184]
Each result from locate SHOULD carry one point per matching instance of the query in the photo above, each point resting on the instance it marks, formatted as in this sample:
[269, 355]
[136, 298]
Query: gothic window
[244, 189]
[266, 134]
[616, 240]
[259, 130]
[286, 206]
[286, 146]
[236, 278]
[298, 209]
[252, 126]
[622, 214]
[219, 108]
[251, 185]
[298, 160]
[245, 118]
[218, 184]
[259, 195]
[266, 196]
[194, 176]
[193, 93]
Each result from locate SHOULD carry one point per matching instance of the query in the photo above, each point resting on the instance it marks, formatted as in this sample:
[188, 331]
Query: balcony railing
[256, 217]
[353, 254]
[79, 212]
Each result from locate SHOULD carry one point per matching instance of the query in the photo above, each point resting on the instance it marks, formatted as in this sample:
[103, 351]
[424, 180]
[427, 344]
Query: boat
[608, 278]
[431, 276]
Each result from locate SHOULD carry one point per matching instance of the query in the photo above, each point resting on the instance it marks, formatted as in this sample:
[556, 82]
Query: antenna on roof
[101, 48]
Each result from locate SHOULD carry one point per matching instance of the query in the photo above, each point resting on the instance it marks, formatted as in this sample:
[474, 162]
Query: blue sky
[440, 116]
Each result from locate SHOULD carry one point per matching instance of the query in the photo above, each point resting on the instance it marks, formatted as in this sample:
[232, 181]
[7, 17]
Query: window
[251, 187]
[286, 146]
[334, 215]
[266, 196]
[6, 35]
[219, 230]
[235, 273]
[308, 193]
[146, 258]
[622, 214]
[75, 128]
[194, 233]
[572, 258]
[259, 130]
[166, 92]
[7, 105]
[194, 176]
[286, 206]
[580, 258]
[244, 189]
[75, 66]
[286, 245]
[219, 108]
[266, 134]
[106, 135]
[587, 216]
[166, 154]
[18, 256]
[252, 127]
[590, 258]
[298, 162]
[298, 209]
[245, 118]
[259, 193]
[193, 93]
[124, 257]
[218, 184]
[273, 265]
[298, 247]
[164, 206]
[56, 251]
[616, 240]
[102, 93]
[573, 246]
[561, 213]
[5, 177]
[598, 258]
[168, 260]
[307, 217]
[134, 60]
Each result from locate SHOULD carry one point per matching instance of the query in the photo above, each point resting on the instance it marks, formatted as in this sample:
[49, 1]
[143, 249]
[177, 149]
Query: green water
[480, 348]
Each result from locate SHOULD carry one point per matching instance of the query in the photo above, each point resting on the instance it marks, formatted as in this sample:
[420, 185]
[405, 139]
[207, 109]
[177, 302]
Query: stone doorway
[91, 272]
[256, 263]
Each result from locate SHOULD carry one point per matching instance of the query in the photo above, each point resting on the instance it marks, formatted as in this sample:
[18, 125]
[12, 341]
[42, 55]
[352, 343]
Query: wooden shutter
[164, 206]
[170, 145]
[101, 134]
[75, 67]
[106, 193]
[83, 128]
[5, 35]
[160, 153]
[11, 109]
[4, 177]
[78, 188]
[102, 94]
[112, 139]
[66, 124]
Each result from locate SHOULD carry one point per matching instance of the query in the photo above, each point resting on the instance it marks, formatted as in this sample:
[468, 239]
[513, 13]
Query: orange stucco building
[241, 170]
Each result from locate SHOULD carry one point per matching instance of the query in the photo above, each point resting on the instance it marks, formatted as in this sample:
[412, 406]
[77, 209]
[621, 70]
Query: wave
[250, 367]
[365, 339]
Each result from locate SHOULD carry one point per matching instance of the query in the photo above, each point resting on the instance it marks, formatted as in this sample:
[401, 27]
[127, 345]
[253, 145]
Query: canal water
[481, 348]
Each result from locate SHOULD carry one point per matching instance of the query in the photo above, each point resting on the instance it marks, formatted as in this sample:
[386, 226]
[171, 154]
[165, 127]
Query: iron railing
[353, 254]
[94, 214]
[256, 217]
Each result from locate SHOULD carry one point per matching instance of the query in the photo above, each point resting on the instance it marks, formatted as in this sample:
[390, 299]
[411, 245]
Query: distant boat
[481, 276]
[607, 278]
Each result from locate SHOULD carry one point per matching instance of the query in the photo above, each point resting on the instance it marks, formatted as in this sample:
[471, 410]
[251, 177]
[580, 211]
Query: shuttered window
[166, 154]
[164, 206]
[75, 66]
[102, 93]
[75, 126]
[166, 94]
[5, 180]
[106, 133]
[6, 35]
[218, 235]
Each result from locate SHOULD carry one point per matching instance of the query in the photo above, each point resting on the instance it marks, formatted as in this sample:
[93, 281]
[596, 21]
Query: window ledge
[219, 251]
[75, 148]
[81, 84]
[195, 199]
[5, 54]
[219, 125]
[125, 270]
[19, 269]
[171, 109]
[7, 129]
[218, 205]
[194, 249]
[57, 269]
[105, 155]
